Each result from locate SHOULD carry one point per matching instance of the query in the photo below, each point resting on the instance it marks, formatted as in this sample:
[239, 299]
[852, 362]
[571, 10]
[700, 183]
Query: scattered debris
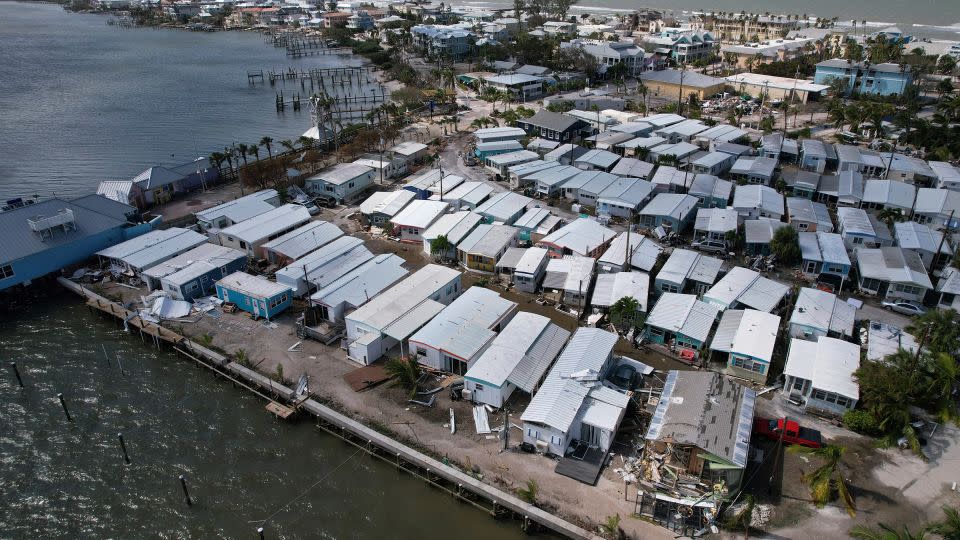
[480, 420]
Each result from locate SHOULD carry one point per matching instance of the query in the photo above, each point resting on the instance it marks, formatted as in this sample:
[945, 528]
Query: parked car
[711, 246]
[311, 208]
[907, 308]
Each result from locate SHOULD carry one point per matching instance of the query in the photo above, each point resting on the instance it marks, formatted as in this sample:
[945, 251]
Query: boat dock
[283, 402]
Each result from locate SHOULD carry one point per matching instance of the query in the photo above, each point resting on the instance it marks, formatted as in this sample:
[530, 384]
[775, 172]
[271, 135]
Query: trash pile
[158, 306]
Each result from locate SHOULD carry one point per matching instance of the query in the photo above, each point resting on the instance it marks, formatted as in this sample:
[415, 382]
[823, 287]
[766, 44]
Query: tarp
[167, 308]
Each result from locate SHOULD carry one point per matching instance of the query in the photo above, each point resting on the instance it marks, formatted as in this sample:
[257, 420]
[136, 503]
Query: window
[243, 245]
[6, 271]
[667, 287]
[656, 331]
[351, 184]
[798, 384]
[857, 240]
[479, 387]
[749, 365]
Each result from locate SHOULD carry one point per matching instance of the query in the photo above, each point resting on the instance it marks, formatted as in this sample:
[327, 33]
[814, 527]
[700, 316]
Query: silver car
[907, 308]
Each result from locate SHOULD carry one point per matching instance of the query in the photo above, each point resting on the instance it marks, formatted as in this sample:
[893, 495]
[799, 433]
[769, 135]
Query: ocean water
[934, 19]
[81, 101]
[69, 480]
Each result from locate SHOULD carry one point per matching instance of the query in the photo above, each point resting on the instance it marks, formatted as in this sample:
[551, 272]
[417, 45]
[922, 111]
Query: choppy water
[61, 480]
[81, 101]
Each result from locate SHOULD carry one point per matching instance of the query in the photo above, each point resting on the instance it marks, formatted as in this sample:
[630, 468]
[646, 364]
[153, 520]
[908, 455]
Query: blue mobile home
[259, 296]
[864, 78]
[44, 237]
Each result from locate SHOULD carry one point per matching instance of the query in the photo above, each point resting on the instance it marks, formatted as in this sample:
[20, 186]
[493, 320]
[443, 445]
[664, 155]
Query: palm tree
[404, 372]
[828, 477]
[611, 527]
[440, 246]
[744, 517]
[242, 149]
[288, 144]
[228, 155]
[305, 142]
[217, 159]
[267, 142]
[890, 216]
[254, 150]
[886, 532]
[529, 493]
[949, 528]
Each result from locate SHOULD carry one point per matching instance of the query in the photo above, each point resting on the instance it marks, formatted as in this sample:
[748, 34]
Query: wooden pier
[281, 399]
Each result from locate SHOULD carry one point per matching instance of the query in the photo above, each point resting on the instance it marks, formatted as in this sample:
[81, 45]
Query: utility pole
[943, 238]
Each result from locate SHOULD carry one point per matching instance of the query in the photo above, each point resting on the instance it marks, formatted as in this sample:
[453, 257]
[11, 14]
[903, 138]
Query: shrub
[861, 422]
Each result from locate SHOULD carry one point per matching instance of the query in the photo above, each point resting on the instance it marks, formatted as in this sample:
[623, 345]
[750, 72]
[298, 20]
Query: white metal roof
[580, 236]
[561, 396]
[252, 286]
[946, 173]
[503, 206]
[571, 273]
[667, 176]
[747, 287]
[632, 168]
[240, 209]
[596, 185]
[408, 148]
[827, 363]
[612, 287]
[214, 254]
[757, 196]
[824, 311]
[684, 314]
[937, 201]
[717, 220]
[420, 213]
[325, 264]
[154, 247]
[754, 335]
[644, 252]
[464, 327]
[889, 193]
[455, 226]
[916, 236]
[471, 193]
[303, 240]
[521, 353]
[893, 264]
[531, 219]
[392, 304]
[674, 205]
[803, 209]
[823, 247]
[685, 264]
[499, 132]
[268, 224]
[598, 158]
[629, 192]
[949, 281]
[488, 240]
[387, 203]
[530, 261]
[340, 173]
[707, 185]
[513, 158]
[511, 257]
[362, 283]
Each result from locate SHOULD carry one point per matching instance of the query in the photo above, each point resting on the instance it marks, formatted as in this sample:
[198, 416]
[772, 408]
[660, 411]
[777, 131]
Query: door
[256, 308]
[810, 267]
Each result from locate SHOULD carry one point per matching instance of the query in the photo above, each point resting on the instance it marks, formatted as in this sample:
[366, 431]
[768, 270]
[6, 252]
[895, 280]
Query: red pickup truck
[792, 434]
